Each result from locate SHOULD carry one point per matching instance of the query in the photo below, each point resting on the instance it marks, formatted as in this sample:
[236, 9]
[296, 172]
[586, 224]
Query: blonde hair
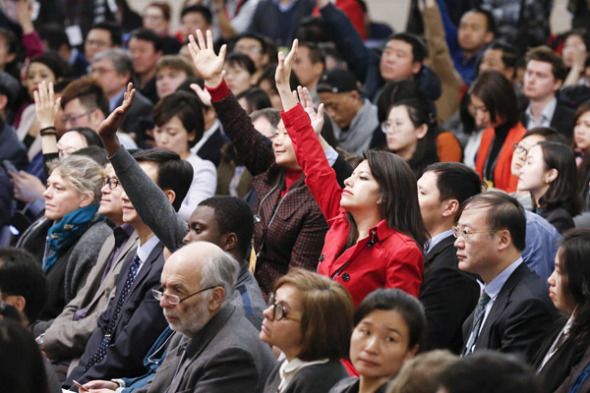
[85, 174]
[421, 373]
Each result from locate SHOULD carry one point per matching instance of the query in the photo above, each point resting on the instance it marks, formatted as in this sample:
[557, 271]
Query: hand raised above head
[316, 117]
[206, 62]
[46, 106]
[284, 67]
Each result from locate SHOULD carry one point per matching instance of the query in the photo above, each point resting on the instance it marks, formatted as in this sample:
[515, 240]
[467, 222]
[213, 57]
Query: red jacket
[503, 178]
[385, 259]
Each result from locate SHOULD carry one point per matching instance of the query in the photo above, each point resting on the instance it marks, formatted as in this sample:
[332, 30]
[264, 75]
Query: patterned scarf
[67, 231]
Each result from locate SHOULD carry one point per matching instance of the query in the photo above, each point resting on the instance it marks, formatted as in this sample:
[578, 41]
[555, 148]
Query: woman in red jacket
[376, 230]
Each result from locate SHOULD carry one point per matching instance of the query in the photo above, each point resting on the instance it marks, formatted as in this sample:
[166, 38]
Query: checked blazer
[289, 230]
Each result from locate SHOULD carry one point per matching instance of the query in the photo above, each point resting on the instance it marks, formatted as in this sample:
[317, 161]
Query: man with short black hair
[102, 36]
[354, 118]
[514, 312]
[309, 65]
[145, 47]
[544, 76]
[448, 294]
[194, 17]
[22, 283]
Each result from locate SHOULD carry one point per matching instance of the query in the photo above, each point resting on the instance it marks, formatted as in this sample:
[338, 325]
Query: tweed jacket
[289, 230]
[66, 338]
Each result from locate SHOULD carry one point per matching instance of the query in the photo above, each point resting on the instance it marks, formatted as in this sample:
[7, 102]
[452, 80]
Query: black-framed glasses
[73, 118]
[278, 311]
[174, 299]
[112, 182]
[520, 149]
[466, 232]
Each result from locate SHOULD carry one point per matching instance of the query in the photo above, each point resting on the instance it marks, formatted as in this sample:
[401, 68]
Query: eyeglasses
[387, 126]
[73, 118]
[520, 149]
[278, 308]
[112, 182]
[174, 299]
[466, 232]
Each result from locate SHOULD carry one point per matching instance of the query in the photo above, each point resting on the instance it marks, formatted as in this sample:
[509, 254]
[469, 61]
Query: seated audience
[145, 47]
[296, 322]
[256, 48]
[171, 72]
[490, 235]
[102, 36]
[495, 108]
[422, 373]
[279, 22]
[575, 50]
[239, 73]
[388, 329]
[582, 150]
[549, 174]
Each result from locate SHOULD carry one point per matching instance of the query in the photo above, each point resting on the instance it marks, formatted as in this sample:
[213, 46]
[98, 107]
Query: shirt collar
[546, 115]
[144, 250]
[284, 7]
[206, 135]
[289, 368]
[494, 286]
[437, 239]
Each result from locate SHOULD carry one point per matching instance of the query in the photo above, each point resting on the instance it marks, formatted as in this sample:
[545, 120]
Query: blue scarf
[67, 231]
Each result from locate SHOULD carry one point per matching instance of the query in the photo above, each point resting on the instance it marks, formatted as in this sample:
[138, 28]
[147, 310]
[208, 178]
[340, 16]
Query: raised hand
[283, 72]
[203, 94]
[109, 126]
[317, 118]
[46, 105]
[206, 62]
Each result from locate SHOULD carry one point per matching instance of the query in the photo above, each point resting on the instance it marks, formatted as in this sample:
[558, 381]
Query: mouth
[346, 192]
[368, 363]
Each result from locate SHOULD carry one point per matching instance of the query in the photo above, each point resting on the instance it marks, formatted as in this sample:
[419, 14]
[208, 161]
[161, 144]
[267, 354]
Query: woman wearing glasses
[389, 325]
[309, 320]
[550, 175]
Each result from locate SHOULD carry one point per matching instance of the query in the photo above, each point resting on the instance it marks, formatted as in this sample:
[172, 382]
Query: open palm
[207, 63]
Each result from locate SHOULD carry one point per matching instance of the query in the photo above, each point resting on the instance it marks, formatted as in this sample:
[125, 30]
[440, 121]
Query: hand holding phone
[81, 388]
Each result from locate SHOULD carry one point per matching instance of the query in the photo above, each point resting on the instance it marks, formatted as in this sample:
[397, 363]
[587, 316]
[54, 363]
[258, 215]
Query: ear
[355, 94]
[3, 101]
[86, 199]
[264, 61]
[96, 117]
[412, 352]
[421, 131]
[229, 241]
[557, 84]
[17, 301]
[489, 37]
[318, 68]
[171, 195]
[451, 208]
[505, 239]
[416, 67]
[551, 175]
[216, 299]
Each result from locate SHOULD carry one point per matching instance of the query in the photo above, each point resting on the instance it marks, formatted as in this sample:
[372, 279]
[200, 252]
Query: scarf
[67, 231]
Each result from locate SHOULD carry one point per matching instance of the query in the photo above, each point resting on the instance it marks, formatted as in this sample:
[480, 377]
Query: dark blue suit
[140, 323]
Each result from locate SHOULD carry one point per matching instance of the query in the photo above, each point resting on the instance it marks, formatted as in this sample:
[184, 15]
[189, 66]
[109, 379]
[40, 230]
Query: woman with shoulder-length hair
[551, 177]
[569, 289]
[376, 230]
[496, 109]
[310, 320]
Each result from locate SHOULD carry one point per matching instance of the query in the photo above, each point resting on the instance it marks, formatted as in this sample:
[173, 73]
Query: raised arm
[319, 176]
[252, 150]
[147, 198]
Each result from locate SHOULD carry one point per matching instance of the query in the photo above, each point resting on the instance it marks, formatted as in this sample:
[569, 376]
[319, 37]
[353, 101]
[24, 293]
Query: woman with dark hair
[267, 83]
[253, 99]
[75, 139]
[569, 289]
[549, 174]
[496, 109]
[309, 318]
[376, 235]
[21, 360]
[289, 228]
[388, 330]
[411, 133]
[582, 149]
[239, 72]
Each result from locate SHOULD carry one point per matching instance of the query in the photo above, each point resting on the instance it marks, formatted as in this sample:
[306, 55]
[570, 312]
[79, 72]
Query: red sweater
[385, 259]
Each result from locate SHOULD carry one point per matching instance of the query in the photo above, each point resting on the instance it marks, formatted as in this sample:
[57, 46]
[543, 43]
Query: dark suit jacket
[520, 317]
[140, 323]
[267, 20]
[448, 295]
[225, 356]
[138, 118]
[560, 364]
[560, 218]
[211, 150]
[317, 378]
[562, 121]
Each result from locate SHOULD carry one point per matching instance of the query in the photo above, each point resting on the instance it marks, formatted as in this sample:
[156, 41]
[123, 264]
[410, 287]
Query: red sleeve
[405, 269]
[220, 92]
[319, 176]
[32, 42]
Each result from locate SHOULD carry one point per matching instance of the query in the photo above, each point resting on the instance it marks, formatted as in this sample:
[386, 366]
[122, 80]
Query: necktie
[106, 340]
[477, 320]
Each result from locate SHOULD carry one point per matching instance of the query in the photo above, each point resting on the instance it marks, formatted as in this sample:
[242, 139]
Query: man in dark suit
[215, 348]
[133, 319]
[514, 312]
[113, 69]
[448, 294]
[544, 76]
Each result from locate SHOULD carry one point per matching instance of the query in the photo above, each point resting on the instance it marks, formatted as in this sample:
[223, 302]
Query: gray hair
[85, 174]
[220, 269]
[273, 115]
[122, 60]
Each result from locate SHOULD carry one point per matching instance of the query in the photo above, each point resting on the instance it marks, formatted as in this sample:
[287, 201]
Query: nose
[459, 242]
[268, 313]
[47, 193]
[348, 182]
[372, 345]
[186, 239]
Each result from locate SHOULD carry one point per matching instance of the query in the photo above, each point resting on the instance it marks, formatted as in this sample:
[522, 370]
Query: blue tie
[477, 320]
[106, 340]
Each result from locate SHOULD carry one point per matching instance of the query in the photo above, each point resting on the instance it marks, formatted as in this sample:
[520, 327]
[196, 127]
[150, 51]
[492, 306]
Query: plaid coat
[289, 231]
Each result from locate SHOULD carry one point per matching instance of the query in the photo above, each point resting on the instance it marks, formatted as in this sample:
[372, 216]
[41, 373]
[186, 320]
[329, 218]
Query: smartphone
[9, 166]
[79, 385]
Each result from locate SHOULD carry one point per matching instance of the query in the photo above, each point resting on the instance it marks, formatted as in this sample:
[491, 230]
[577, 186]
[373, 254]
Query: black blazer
[521, 316]
[140, 323]
[317, 378]
[560, 364]
[448, 296]
[562, 121]
[211, 149]
[560, 218]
